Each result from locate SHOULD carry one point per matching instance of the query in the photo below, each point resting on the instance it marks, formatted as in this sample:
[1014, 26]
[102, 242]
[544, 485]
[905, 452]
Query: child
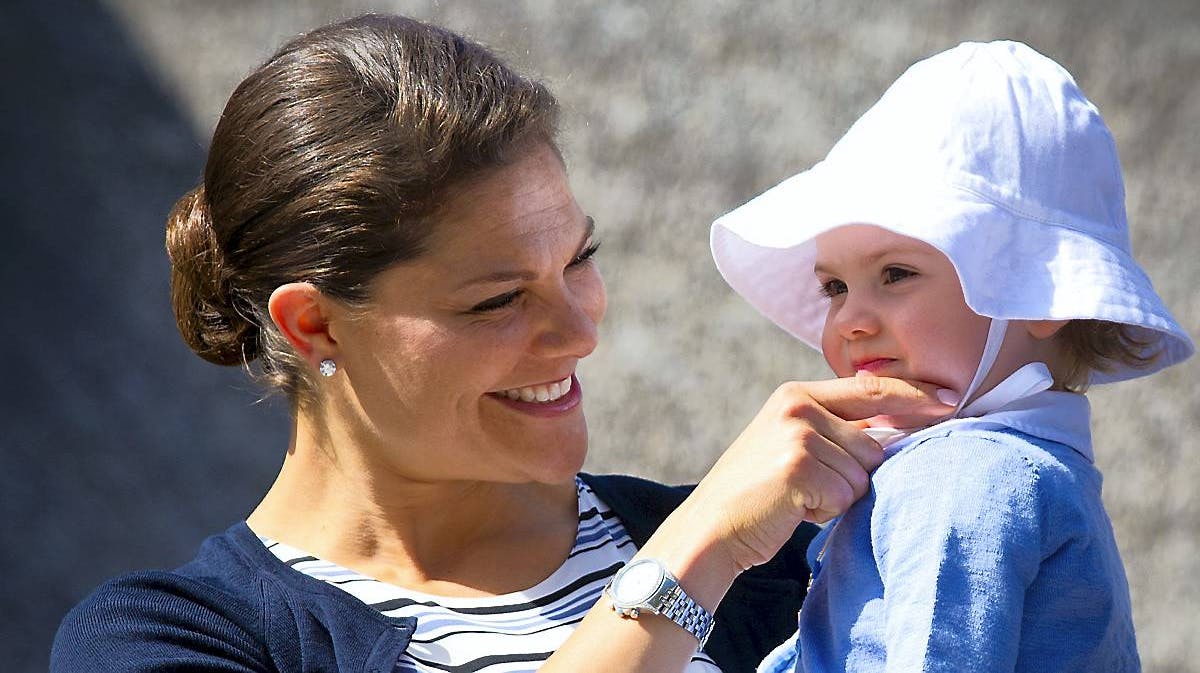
[969, 230]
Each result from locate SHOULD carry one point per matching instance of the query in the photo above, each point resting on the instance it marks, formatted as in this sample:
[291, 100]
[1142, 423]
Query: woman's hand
[804, 457]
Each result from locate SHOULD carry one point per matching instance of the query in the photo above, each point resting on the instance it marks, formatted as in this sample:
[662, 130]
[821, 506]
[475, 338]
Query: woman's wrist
[689, 546]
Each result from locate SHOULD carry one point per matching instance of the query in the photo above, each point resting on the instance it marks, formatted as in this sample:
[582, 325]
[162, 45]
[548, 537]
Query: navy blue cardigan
[235, 607]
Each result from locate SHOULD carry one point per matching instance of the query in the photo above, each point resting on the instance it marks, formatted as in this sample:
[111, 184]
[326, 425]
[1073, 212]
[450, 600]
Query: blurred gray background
[120, 450]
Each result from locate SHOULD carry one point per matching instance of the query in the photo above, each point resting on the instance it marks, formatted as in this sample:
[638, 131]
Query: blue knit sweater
[236, 608]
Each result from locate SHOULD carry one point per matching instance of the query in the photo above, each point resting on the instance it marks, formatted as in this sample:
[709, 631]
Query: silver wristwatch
[646, 585]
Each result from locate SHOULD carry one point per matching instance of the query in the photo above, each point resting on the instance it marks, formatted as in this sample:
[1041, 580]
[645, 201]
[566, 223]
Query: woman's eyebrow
[505, 276]
[498, 277]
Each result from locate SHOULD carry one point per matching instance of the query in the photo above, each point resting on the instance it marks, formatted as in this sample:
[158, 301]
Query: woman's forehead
[523, 204]
[499, 264]
[476, 244]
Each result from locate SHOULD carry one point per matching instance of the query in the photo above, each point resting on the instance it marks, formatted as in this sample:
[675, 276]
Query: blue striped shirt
[496, 634]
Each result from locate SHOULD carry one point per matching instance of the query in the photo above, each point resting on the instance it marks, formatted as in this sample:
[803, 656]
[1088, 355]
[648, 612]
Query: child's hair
[1086, 346]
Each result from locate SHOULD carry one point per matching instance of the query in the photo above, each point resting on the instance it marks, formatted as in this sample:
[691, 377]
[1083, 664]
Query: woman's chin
[559, 465]
[565, 466]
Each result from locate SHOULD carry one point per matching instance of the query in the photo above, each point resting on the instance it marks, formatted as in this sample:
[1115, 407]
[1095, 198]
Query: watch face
[638, 582]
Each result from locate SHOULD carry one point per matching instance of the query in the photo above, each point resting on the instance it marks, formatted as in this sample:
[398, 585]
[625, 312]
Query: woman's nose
[569, 327]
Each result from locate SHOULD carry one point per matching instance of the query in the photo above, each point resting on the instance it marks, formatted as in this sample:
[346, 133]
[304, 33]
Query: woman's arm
[157, 622]
[803, 458]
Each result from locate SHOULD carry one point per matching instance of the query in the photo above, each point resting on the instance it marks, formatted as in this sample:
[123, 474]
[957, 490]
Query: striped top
[510, 633]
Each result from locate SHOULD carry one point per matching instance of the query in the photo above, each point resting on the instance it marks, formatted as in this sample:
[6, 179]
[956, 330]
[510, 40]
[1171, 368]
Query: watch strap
[670, 601]
[681, 609]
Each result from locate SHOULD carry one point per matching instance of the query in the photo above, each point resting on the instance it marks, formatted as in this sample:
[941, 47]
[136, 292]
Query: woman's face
[896, 309]
[464, 366]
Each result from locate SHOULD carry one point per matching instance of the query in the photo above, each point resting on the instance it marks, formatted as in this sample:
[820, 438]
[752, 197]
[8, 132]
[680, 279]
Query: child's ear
[1044, 329]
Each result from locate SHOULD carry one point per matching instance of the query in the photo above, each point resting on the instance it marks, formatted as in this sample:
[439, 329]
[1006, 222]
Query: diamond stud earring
[328, 367]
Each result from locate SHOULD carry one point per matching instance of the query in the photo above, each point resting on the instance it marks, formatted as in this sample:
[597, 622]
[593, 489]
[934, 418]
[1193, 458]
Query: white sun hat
[990, 153]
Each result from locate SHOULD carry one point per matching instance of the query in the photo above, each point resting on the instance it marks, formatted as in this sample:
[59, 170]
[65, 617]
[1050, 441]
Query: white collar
[1021, 402]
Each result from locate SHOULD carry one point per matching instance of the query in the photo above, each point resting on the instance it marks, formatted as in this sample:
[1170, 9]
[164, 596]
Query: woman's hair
[1087, 346]
[326, 167]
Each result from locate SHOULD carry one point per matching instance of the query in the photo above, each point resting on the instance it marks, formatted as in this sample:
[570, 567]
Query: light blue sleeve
[958, 537]
[783, 658]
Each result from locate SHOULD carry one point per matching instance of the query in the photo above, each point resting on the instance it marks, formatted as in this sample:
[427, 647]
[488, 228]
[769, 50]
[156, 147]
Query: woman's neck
[334, 501]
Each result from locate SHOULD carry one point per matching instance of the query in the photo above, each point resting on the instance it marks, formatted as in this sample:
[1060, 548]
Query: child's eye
[496, 303]
[893, 274]
[832, 288]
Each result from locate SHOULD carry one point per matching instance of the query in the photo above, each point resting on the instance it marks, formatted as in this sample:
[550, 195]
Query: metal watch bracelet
[663, 597]
[681, 609]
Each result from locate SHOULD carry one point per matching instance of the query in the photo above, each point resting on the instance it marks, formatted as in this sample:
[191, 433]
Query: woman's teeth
[540, 393]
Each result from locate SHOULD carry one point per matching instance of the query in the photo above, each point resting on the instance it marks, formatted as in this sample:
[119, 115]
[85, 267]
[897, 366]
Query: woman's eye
[585, 254]
[496, 303]
[893, 274]
[832, 288]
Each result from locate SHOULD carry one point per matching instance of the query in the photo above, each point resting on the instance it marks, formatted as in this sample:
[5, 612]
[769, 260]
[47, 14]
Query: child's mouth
[872, 366]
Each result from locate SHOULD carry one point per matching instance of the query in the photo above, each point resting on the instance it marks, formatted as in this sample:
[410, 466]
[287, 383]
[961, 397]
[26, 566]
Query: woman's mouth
[543, 399]
[540, 393]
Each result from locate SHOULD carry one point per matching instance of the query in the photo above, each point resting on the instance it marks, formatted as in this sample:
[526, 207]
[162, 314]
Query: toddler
[969, 231]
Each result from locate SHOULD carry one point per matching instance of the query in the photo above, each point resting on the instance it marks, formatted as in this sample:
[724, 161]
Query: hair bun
[204, 307]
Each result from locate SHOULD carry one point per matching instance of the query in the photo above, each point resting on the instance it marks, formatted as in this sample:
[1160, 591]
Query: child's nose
[856, 318]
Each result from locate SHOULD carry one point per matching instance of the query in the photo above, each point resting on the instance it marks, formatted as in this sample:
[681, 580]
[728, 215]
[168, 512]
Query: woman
[385, 229]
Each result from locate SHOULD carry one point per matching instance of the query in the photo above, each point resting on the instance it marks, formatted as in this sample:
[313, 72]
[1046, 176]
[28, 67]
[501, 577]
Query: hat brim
[1012, 265]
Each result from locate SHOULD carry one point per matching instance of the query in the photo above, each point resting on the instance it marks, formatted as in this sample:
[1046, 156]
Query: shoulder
[133, 620]
[973, 460]
[998, 485]
[209, 609]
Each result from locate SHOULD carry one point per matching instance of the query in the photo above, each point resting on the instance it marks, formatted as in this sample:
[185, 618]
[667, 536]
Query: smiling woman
[504, 302]
[385, 233]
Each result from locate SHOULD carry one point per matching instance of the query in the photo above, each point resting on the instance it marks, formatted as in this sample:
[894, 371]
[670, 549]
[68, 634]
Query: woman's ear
[1044, 329]
[300, 312]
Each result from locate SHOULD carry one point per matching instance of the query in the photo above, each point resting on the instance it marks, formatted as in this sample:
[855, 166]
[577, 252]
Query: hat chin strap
[991, 349]
[1036, 378]
[1030, 379]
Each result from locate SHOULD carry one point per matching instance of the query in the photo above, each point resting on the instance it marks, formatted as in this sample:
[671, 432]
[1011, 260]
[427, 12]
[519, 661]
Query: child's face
[897, 309]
